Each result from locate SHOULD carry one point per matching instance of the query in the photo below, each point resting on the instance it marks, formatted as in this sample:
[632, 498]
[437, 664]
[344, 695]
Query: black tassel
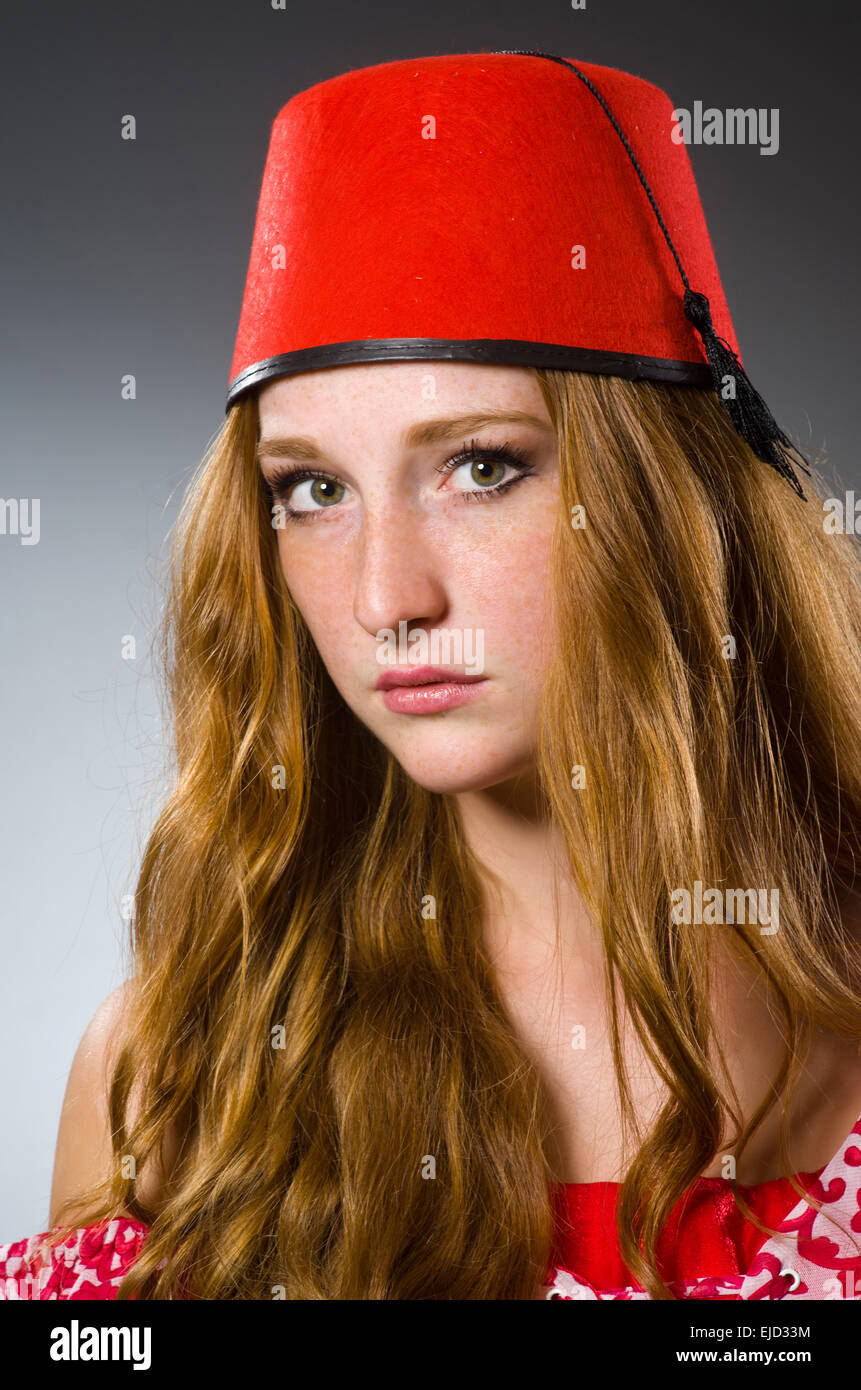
[749, 413]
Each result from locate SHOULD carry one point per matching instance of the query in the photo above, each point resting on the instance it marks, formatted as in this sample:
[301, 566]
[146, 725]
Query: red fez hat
[489, 207]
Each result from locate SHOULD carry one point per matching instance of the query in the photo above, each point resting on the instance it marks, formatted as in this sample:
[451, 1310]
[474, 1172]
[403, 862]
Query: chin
[458, 768]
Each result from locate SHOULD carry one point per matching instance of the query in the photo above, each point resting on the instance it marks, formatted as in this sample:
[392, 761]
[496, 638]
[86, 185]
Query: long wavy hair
[359, 1118]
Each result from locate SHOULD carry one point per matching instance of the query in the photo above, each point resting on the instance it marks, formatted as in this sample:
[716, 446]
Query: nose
[397, 574]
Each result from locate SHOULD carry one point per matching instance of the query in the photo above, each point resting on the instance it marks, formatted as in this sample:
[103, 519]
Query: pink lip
[426, 689]
[422, 675]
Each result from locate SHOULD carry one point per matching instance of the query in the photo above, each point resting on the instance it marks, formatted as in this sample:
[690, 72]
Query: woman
[541, 983]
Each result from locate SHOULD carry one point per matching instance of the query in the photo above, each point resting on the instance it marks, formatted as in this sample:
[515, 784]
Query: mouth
[427, 689]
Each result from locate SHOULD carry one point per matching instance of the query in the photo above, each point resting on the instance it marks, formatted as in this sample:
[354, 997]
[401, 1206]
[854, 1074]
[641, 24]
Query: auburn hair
[323, 1045]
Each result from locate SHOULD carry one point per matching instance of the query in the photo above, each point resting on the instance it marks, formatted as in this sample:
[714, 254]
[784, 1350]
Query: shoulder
[104, 1032]
[97, 1052]
[84, 1153]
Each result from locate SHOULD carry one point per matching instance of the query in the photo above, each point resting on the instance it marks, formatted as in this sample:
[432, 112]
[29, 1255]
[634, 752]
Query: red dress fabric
[705, 1229]
[709, 1250]
[90, 1264]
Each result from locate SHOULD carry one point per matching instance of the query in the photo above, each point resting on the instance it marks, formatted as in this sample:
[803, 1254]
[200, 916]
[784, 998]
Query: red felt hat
[508, 208]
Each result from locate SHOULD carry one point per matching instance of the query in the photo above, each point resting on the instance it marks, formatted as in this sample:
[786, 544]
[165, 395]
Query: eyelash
[287, 476]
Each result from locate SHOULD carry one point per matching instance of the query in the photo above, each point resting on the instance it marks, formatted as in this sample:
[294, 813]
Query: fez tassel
[748, 411]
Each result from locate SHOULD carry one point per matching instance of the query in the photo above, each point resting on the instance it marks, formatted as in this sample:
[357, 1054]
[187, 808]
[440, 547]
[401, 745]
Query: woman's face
[388, 543]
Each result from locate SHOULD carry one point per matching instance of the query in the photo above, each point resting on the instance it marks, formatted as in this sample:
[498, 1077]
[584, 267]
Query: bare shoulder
[84, 1153]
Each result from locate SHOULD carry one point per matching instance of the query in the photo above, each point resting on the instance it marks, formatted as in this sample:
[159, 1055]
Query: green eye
[325, 491]
[487, 465]
[493, 471]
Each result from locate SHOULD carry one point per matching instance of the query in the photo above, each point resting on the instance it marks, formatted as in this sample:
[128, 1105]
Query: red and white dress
[708, 1250]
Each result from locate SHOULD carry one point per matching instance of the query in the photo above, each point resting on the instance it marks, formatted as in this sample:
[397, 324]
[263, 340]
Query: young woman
[532, 970]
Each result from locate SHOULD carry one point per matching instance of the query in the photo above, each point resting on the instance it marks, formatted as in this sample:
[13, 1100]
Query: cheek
[514, 602]
[505, 585]
[318, 589]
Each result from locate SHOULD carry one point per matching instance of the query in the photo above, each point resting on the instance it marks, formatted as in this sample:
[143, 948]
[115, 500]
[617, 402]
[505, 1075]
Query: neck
[531, 902]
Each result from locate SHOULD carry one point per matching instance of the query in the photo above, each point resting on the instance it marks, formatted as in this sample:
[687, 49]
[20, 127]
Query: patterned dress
[710, 1251]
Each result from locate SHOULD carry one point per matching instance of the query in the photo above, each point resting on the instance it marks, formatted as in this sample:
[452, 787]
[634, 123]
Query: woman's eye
[301, 493]
[484, 472]
[315, 493]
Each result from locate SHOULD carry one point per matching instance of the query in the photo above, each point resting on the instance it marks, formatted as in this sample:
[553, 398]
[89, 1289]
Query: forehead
[397, 393]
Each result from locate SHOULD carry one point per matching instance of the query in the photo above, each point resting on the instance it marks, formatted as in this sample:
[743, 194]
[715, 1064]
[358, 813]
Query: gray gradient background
[130, 257]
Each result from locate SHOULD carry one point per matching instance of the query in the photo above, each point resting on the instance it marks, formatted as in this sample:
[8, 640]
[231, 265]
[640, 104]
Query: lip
[427, 689]
[423, 675]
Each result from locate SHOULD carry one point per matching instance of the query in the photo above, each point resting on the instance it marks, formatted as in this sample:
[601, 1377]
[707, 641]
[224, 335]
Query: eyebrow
[422, 435]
